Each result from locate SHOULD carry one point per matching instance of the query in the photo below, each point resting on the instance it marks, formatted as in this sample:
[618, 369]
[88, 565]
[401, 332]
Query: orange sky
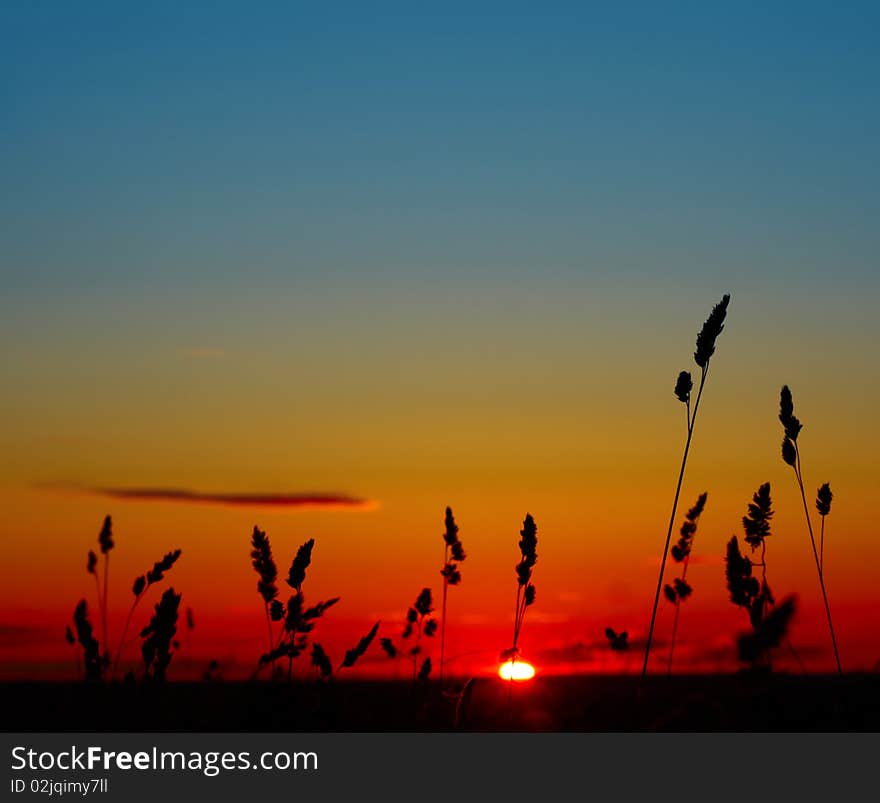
[586, 438]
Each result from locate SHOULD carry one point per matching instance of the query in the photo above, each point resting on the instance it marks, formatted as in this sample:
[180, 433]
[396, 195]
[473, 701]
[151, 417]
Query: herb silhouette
[791, 455]
[680, 590]
[769, 623]
[296, 620]
[705, 348]
[158, 637]
[86, 638]
[141, 586]
[525, 589]
[453, 555]
[419, 622]
[105, 543]
[823, 505]
[324, 666]
[617, 641]
[267, 587]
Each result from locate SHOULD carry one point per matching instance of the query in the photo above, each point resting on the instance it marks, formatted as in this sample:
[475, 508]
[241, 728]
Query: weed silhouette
[86, 638]
[791, 455]
[680, 589]
[453, 555]
[267, 587]
[525, 589]
[158, 637]
[705, 348]
[617, 641]
[419, 622]
[823, 505]
[296, 620]
[140, 588]
[769, 623]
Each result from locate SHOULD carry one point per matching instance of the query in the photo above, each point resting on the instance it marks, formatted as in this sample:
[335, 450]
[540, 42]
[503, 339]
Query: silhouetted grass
[680, 590]
[769, 623]
[525, 590]
[619, 642]
[791, 454]
[453, 555]
[705, 348]
[86, 638]
[419, 622]
[140, 588]
[296, 620]
[823, 505]
[267, 587]
[158, 637]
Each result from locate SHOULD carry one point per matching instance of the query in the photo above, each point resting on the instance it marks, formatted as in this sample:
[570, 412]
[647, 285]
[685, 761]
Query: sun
[516, 670]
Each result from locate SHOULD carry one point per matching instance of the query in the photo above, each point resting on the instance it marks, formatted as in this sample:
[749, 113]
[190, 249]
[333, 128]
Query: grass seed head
[683, 387]
[105, 537]
[712, 328]
[823, 499]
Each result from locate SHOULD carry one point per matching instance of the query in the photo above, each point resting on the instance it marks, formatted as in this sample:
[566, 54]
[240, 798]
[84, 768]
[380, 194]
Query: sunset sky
[427, 259]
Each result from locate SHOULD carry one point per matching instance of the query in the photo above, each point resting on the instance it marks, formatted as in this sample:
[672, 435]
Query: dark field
[583, 703]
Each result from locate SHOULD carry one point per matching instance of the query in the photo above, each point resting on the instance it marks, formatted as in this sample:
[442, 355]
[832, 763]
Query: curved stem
[800, 481]
[675, 619]
[684, 458]
[443, 616]
[104, 614]
[269, 625]
[119, 649]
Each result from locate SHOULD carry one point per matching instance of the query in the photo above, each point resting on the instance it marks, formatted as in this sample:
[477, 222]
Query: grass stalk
[687, 446]
[800, 480]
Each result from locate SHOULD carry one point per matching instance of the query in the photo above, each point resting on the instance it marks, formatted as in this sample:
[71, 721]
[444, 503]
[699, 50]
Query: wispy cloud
[302, 501]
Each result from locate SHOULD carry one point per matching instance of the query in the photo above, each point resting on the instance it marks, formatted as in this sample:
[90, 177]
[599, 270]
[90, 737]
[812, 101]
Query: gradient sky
[428, 259]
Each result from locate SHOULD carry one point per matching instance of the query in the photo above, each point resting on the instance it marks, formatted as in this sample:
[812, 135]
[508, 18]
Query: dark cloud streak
[309, 500]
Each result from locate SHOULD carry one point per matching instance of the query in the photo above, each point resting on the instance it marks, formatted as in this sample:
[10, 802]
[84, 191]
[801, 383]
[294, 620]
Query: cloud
[301, 501]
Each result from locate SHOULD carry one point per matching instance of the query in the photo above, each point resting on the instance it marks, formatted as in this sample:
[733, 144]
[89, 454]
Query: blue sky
[226, 146]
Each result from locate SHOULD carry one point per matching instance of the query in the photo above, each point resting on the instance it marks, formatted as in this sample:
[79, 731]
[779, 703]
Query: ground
[741, 702]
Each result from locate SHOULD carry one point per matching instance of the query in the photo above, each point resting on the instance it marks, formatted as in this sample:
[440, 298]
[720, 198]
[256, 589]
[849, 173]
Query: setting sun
[516, 670]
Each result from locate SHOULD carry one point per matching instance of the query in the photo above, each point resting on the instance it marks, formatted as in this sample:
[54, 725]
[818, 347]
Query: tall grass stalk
[139, 589]
[105, 540]
[823, 505]
[453, 554]
[525, 589]
[681, 590]
[792, 457]
[705, 348]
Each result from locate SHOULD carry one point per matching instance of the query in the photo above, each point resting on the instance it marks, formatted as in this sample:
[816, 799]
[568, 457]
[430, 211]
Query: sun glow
[516, 670]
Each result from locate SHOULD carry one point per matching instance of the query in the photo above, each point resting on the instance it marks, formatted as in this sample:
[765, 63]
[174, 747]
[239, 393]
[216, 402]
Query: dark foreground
[583, 703]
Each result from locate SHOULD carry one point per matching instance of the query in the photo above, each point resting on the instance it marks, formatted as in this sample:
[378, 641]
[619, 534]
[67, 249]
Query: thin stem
[684, 572]
[104, 614]
[800, 481]
[100, 600]
[684, 458]
[269, 626]
[516, 615]
[822, 547]
[119, 649]
[443, 616]
[416, 652]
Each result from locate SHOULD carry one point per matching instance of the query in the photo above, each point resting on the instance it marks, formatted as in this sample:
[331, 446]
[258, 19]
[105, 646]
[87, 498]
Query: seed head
[712, 327]
[789, 453]
[683, 387]
[823, 499]
[105, 537]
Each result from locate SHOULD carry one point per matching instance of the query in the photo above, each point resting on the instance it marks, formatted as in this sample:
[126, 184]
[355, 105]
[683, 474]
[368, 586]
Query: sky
[437, 258]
